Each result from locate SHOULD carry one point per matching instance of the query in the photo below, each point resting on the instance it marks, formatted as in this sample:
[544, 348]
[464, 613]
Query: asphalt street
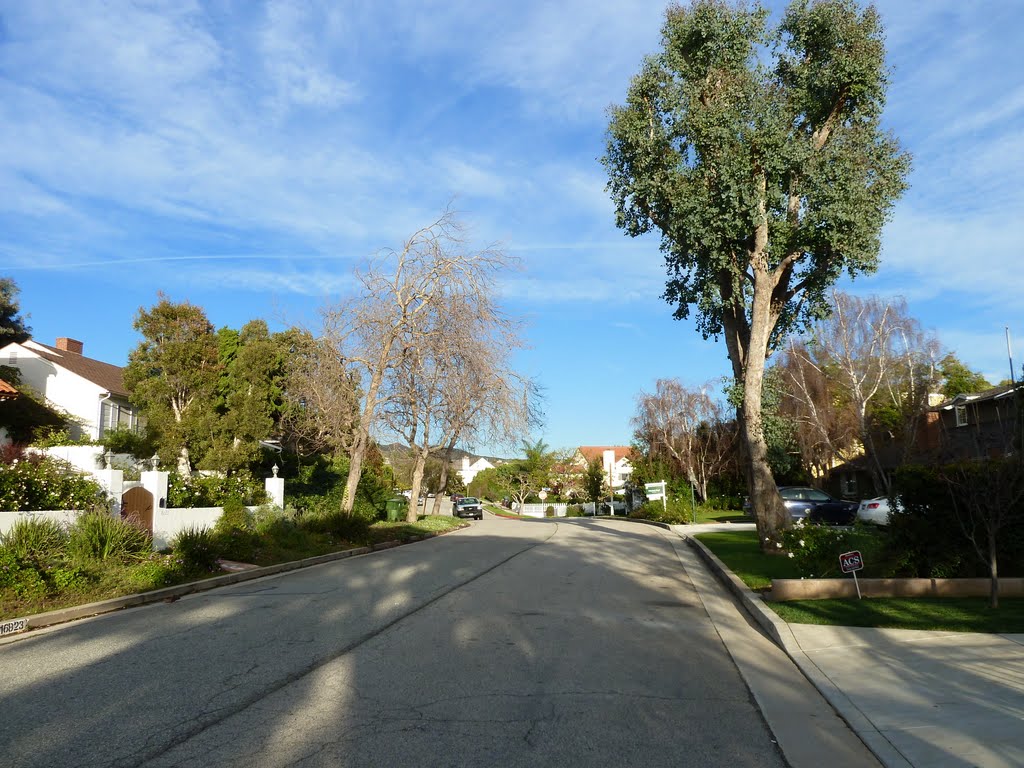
[568, 642]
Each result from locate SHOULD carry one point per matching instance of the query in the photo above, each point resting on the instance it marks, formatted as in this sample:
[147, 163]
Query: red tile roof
[591, 452]
[7, 391]
[104, 375]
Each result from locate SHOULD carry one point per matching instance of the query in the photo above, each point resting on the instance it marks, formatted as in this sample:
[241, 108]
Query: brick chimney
[69, 345]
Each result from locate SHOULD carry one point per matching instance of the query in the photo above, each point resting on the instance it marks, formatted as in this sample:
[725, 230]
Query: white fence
[167, 522]
[540, 510]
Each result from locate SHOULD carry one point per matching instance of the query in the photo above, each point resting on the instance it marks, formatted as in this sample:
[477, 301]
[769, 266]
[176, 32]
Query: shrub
[675, 512]
[234, 533]
[21, 577]
[36, 539]
[49, 437]
[549, 511]
[235, 517]
[36, 482]
[124, 440]
[65, 578]
[574, 510]
[213, 491]
[98, 536]
[352, 528]
[815, 549]
[924, 535]
[196, 549]
[155, 572]
[267, 518]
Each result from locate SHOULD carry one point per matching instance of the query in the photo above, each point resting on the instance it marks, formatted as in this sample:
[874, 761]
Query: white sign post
[851, 562]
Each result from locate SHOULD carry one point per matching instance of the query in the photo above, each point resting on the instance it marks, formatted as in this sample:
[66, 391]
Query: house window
[961, 415]
[849, 484]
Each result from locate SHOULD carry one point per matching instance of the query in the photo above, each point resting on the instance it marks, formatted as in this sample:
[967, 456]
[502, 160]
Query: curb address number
[13, 626]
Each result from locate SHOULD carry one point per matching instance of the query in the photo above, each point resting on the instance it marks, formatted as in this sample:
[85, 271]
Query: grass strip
[742, 555]
[947, 614]
[740, 552]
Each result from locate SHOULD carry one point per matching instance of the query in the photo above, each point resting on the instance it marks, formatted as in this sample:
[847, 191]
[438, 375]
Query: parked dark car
[813, 505]
[469, 506]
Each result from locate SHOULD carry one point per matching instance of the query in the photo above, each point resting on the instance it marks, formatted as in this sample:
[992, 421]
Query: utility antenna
[1009, 354]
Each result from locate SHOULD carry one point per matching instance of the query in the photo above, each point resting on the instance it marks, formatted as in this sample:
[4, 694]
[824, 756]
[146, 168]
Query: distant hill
[393, 451]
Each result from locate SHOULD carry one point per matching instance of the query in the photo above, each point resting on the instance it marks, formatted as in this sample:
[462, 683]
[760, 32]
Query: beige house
[92, 393]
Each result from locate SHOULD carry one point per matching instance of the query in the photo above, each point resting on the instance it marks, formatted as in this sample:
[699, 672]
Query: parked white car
[874, 511]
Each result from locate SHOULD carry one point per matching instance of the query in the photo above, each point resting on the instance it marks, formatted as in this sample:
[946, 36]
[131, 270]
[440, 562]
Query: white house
[468, 470]
[91, 392]
[614, 460]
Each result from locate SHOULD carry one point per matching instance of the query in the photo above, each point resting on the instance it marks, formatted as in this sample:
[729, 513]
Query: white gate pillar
[112, 481]
[275, 489]
[156, 483]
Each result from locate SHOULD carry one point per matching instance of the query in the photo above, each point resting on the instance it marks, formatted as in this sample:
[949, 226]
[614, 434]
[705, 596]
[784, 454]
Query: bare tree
[687, 426]
[877, 361]
[321, 396]
[401, 293]
[825, 427]
[487, 400]
[414, 387]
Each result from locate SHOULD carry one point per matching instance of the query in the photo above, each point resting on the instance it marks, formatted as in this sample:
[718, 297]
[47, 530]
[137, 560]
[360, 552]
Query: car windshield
[467, 500]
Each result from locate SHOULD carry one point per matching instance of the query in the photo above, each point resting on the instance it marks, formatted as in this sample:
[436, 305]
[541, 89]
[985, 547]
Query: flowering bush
[36, 482]
[205, 491]
[815, 549]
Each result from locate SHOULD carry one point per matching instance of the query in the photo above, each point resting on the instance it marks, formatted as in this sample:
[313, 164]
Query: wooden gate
[137, 504]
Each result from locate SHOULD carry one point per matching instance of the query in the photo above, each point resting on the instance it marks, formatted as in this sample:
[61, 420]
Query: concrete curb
[779, 631]
[169, 594]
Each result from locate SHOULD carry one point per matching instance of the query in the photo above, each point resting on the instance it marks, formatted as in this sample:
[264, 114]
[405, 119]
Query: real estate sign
[655, 491]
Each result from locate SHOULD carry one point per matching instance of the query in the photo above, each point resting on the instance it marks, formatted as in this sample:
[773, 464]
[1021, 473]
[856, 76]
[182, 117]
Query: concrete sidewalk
[920, 699]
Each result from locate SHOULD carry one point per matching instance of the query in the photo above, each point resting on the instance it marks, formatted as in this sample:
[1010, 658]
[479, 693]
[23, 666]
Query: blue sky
[244, 156]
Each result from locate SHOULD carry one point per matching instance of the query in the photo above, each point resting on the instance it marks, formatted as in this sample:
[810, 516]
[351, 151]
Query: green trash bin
[396, 507]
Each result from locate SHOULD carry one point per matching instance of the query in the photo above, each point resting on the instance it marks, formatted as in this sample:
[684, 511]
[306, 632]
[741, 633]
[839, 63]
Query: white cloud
[296, 59]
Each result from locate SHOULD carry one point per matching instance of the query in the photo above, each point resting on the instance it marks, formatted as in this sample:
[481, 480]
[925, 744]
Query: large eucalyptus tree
[759, 156]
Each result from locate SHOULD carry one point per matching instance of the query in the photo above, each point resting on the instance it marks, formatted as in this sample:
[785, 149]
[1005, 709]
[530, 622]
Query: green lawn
[961, 614]
[742, 555]
[708, 515]
[739, 551]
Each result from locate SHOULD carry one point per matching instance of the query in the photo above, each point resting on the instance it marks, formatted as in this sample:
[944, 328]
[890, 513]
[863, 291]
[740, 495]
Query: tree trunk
[355, 469]
[362, 441]
[993, 566]
[184, 465]
[748, 352]
[412, 515]
[443, 484]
